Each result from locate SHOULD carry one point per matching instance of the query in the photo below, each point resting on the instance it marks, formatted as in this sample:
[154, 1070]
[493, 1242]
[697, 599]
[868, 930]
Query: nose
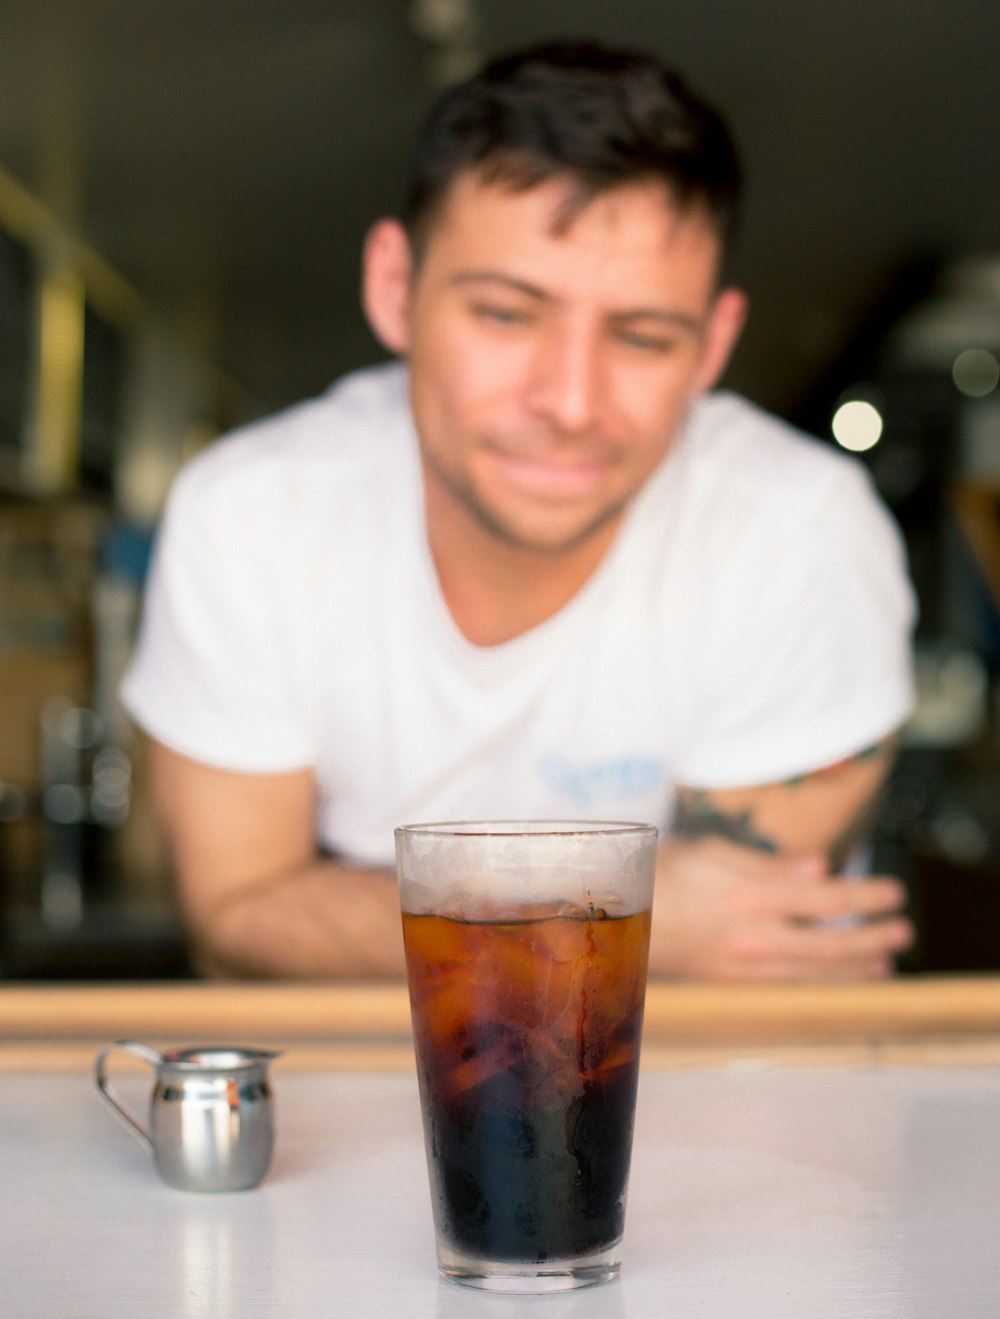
[567, 385]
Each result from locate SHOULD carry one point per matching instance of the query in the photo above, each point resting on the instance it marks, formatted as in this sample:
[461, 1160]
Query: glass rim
[524, 828]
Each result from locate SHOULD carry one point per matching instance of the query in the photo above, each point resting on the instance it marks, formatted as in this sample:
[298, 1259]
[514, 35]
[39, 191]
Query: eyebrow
[505, 281]
[665, 316]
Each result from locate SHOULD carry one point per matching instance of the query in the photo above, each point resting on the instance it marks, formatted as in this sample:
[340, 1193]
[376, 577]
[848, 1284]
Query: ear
[387, 265]
[725, 325]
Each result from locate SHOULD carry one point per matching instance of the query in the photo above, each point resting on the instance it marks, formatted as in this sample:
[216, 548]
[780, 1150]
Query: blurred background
[184, 189]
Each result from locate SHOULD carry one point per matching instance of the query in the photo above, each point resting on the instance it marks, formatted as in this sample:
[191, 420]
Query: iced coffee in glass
[526, 948]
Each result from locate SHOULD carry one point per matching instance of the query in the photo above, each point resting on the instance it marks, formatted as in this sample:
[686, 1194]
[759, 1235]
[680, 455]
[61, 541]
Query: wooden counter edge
[676, 1014]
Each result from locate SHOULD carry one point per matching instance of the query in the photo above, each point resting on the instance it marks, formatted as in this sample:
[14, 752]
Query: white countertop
[758, 1192]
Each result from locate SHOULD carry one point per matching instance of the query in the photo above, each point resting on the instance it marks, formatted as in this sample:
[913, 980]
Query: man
[534, 568]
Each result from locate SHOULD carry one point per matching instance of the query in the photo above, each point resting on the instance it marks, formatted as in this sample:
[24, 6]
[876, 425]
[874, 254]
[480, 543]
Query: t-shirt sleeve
[210, 676]
[810, 652]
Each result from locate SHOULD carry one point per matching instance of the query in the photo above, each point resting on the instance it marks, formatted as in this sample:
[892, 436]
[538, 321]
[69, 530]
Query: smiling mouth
[548, 478]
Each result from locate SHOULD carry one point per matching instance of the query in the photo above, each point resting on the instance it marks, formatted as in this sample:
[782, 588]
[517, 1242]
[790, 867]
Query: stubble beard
[462, 492]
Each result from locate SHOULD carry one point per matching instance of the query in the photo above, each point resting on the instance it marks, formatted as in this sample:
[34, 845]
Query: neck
[495, 590]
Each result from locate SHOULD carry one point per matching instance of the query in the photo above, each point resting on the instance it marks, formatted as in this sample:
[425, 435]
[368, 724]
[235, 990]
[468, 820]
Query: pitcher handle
[148, 1055]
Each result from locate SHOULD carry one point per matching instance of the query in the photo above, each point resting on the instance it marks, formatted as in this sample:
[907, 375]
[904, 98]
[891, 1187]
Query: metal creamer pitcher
[211, 1119]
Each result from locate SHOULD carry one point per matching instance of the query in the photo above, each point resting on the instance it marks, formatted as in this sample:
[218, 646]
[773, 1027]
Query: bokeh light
[976, 372]
[857, 425]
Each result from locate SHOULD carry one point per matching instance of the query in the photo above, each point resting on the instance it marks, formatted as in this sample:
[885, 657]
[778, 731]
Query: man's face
[551, 365]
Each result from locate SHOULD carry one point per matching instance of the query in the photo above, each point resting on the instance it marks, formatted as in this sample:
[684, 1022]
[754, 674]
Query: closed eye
[650, 343]
[501, 315]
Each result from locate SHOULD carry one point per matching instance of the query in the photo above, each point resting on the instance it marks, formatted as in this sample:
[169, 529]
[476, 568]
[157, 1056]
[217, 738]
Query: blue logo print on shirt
[588, 786]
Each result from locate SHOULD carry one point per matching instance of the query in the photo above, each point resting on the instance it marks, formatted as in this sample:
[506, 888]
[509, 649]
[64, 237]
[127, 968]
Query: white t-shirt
[751, 622]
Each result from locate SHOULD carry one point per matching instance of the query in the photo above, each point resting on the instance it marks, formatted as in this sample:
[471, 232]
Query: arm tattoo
[697, 816]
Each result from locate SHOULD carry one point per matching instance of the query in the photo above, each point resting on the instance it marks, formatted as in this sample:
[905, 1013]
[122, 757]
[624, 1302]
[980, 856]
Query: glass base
[525, 1278]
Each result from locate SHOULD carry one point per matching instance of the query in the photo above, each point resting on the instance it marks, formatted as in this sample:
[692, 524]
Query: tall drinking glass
[526, 949]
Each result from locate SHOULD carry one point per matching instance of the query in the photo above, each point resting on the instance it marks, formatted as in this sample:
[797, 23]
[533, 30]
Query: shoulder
[730, 441]
[747, 478]
[749, 513]
[353, 424]
[800, 604]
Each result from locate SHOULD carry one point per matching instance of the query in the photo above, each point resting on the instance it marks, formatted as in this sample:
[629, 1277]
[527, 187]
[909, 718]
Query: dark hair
[602, 116]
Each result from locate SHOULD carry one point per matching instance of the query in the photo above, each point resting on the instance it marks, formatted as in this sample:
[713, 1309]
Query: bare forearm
[323, 921]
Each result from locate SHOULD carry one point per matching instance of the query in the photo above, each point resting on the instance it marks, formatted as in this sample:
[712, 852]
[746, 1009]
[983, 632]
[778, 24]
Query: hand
[726, 912]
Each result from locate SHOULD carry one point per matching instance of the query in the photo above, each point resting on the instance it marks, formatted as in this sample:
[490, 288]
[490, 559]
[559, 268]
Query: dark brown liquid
[527, 1041]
